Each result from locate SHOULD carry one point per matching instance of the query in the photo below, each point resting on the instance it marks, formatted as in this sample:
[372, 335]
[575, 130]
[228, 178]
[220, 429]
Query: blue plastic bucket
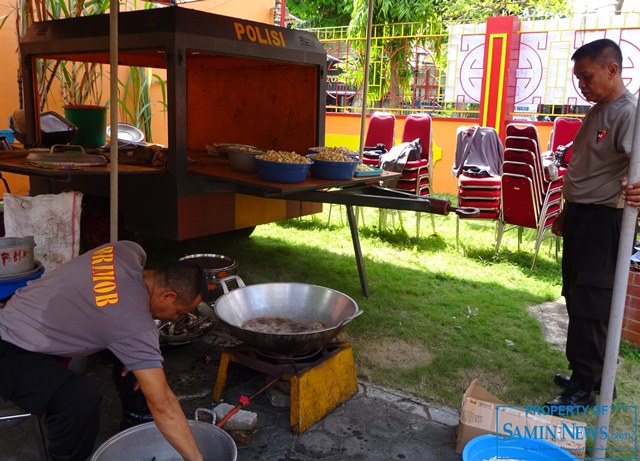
[9, 285]
[488, 447]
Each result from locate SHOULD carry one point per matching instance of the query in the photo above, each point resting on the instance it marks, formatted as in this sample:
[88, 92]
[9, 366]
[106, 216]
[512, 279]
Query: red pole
[283, 12]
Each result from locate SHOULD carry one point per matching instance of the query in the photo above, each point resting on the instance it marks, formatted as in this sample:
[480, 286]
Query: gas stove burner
[291, 358]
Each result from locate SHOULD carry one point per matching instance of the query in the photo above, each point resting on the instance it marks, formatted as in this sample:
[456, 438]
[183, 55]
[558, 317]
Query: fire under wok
[285, 318]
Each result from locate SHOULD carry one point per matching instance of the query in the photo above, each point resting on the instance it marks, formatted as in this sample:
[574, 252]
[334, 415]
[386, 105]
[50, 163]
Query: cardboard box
[483, 413]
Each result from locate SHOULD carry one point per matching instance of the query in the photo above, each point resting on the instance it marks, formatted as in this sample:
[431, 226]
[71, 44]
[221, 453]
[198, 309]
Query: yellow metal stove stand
[316, 387]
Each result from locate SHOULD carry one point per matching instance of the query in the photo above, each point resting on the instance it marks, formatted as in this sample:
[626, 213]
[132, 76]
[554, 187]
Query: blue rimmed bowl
[336, 170]
[282, 172]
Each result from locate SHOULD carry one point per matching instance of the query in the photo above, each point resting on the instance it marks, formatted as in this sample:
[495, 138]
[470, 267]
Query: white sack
[52, 219]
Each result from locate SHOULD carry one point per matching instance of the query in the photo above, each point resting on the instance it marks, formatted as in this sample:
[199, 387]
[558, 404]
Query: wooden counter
[218, 168]
[13, 162]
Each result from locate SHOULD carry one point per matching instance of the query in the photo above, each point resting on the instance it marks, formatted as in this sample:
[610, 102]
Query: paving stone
[377, 424]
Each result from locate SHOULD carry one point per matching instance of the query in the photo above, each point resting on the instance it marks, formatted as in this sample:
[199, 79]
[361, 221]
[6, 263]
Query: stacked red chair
[380, 132]
[531, 196]
[563, 134]
[478, 166]
[416, 175]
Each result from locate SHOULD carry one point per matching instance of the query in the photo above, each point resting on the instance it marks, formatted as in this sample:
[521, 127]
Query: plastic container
[54, 128]
[9, 285]
[326, 169]
[8, 134]
[490, 446]
[91, 122]
[283, 172]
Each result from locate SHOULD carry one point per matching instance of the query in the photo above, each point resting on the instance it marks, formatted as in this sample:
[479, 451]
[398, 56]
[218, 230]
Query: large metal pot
[16, 255]
[145, 442]
[215, 267]
[300, 302]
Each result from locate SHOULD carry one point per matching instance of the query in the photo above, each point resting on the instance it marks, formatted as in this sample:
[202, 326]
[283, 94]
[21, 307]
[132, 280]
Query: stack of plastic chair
[416, 175]
[380, 132]
[531, 197]
[478, 166]
[563, 134]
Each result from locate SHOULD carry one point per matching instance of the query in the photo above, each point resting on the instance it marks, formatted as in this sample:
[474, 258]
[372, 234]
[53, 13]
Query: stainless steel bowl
[243, 160]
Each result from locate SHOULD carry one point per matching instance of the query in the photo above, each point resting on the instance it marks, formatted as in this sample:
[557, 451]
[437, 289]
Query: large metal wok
[299, 302]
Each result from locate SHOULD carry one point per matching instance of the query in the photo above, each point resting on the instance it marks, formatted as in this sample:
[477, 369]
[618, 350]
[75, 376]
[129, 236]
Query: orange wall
[344, 130]
[253, 10]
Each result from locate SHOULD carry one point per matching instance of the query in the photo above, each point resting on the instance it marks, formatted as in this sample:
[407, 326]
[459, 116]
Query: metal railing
[438, 69]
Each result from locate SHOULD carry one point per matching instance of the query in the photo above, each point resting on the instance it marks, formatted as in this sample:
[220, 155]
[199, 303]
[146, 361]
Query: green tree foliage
[479, 10]
[430, 13]
[322, 13]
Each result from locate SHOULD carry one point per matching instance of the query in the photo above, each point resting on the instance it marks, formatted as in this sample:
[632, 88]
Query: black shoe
[563, 381]
[572, 396]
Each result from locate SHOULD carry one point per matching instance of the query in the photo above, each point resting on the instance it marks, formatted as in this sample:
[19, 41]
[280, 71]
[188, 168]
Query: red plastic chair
[522, 130]
[521, 207]
[416, 175]
[418, 126]
[417, 171]
[564, 132]
[380, 130]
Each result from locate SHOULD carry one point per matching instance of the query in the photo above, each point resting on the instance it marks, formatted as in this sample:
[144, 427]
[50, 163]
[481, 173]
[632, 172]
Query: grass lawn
[437, 316]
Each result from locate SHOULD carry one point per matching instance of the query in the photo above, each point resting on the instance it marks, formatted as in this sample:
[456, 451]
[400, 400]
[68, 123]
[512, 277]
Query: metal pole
[113, 110]
[627, 233]
[365, 85]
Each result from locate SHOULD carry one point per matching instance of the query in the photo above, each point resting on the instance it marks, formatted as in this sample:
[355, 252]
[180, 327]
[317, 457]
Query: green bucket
[91, 122]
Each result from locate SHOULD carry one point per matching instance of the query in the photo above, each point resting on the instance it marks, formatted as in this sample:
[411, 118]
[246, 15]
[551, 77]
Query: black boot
[562, 380]
[572, 396]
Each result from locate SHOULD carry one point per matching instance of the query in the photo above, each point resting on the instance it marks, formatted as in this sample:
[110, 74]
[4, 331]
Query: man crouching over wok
[103, 299]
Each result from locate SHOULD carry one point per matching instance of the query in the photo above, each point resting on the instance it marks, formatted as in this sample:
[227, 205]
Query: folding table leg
[355, 238]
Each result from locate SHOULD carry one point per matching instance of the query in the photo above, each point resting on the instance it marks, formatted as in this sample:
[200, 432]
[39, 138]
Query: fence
[438, 69]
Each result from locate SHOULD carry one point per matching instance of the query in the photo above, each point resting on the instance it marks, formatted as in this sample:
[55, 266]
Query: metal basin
[145, 442]
[299, 302]
[16, 255]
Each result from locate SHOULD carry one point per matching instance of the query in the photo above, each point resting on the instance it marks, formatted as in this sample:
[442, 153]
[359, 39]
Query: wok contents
[281, 325]
[188, 324]
[283, 157]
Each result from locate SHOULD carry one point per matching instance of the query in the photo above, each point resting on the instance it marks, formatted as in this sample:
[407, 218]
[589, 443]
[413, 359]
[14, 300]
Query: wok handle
[207, 411]
[223, 282]
[350, 318]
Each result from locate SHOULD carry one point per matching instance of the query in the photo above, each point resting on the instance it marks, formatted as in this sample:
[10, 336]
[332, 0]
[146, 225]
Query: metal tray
[65, 158]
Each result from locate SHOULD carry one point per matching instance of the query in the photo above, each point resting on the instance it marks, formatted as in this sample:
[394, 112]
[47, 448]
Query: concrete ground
[375, 424]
